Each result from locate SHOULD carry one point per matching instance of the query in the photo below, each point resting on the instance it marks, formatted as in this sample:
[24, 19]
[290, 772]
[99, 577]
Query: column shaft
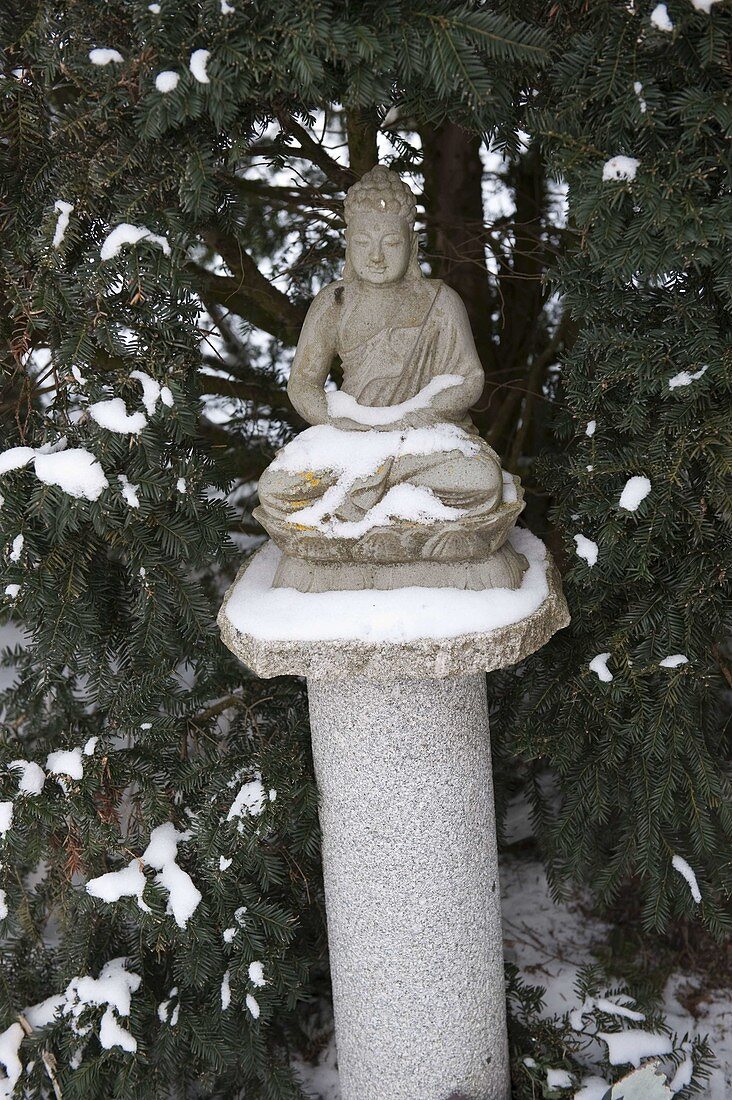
[412, 893]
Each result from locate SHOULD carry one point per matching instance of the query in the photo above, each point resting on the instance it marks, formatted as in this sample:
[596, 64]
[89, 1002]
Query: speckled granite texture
[412, 893]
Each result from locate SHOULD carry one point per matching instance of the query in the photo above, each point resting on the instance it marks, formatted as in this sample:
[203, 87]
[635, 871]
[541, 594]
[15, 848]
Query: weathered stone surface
[412, 892]
[420, 659]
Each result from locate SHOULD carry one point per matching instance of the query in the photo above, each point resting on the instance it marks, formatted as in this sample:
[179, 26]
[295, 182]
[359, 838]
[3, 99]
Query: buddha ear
[414, 270]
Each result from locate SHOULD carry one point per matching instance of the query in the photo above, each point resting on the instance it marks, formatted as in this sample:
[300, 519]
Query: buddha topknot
[381, 191]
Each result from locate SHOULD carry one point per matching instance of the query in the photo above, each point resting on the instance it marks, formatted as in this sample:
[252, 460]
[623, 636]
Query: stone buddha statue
[392, 486]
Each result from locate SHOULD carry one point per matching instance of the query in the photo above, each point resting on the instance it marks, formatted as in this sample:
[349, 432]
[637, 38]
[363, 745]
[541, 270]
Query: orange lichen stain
[302, 527]
[300, 503]
[311, 479]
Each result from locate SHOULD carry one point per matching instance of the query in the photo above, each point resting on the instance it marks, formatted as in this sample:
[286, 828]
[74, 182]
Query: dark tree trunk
[453, 174]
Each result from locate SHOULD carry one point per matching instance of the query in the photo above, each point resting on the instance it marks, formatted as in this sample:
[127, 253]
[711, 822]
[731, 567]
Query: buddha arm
[459, 356]
[314, 356]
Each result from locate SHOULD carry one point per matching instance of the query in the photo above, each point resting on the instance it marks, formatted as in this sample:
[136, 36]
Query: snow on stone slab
[620, 168]
[679, 864]
[587, 549]
[250, 801]
[102, 56]
[685, 378]
[598, 665]
[10, 1041]
[126, 234]
[150, 390]
[558, 1079]
[64, 210]
[633, 1045]
[592, 1088]
[674, 660]
[76, 472]
[399, 615]
[31, 778]
[161, 853]
[342, 404]
[197, 65]
[112, 415]
[636, 489]
[66, 762]
[660, 19]
[130, 882]
[167, 81]
[647, 1083]
[6, 817]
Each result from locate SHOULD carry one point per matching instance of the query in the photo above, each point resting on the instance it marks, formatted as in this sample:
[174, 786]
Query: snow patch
[12, 590]
[250, 800]
[129, 491]
[705, 6]
[592, 1088]
[6, 817]
[586, 549]
[10, 1041]
[17, 548]
[253, 1006]
[167, 81]
[660, 18]
[638, 89]
[674, 661]
[685, 378]
[403, 614]
[66, 762]
[226, 991]
[181, 485]
[76, 472]
[633, 1045]
[101, 56]
[679, 864]
[130, 882]
[636, 490]
[32, 776]
[150, 390]
[113, 416]
[161, 853]
[166, 397]
[63, 209]
[113, 991]
[598, 664]
[591, 427]
[125, 234]
[342, 404]
[224, 863]
[90, 746]
[558, 1079]
[226, 8]
[197, 65]
[256, 974]
[620, 168]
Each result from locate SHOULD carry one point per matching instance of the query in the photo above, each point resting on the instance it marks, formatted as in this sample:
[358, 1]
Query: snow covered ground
[551, 942]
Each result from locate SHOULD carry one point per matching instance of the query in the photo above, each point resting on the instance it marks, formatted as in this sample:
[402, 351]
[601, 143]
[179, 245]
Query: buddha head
[381, 244]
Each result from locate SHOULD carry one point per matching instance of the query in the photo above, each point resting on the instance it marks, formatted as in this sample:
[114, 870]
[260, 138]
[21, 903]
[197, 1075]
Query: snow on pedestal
[402, 758]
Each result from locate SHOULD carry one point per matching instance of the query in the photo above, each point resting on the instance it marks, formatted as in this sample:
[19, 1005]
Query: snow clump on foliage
[620, 168]
[125, 234]
[636, 490]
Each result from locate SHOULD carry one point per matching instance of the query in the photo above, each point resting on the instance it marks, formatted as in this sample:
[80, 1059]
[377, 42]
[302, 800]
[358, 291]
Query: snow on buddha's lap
[396, 615]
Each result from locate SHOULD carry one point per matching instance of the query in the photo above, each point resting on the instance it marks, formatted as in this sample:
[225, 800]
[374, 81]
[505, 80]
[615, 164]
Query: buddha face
[379, 247]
